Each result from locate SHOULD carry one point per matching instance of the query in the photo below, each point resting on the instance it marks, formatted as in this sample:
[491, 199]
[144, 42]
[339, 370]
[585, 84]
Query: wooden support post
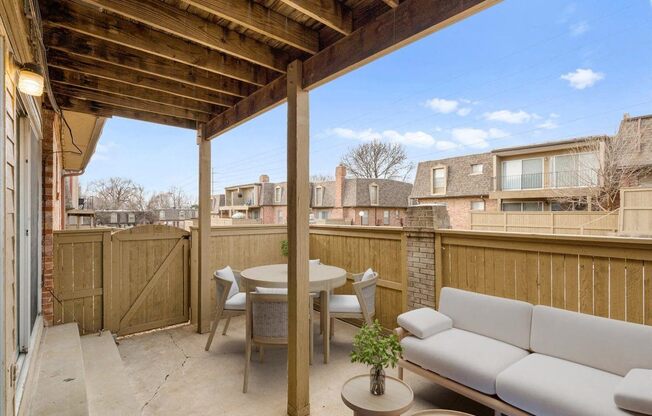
[298, 240]
[204, 275]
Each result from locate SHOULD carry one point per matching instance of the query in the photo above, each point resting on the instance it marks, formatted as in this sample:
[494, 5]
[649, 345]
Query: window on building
[278, 193]
[161, 215]
[477, 169]
[522, 174]
[114, 218]
[579, 169]
[323, 215]
[319, 196]
[477, 206]
[373, 194]
[254, 215]
[386, 217]
[182, 215]
[439, 180]
[132, 218]
[364, 217]
[523, 206]
[279, 217]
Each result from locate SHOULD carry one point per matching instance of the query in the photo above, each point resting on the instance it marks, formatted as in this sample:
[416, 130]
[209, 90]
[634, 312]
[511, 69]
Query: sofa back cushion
[503, 319]
[606, 344]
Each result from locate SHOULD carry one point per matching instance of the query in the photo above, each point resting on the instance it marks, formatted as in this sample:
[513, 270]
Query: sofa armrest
[401, 333]
[634, 392]
[424, 322]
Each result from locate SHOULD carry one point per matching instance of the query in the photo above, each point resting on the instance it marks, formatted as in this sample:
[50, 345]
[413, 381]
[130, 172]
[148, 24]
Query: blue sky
[520, 72]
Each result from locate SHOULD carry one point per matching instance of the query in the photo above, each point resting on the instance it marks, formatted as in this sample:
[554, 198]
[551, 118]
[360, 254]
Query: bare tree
[320, 177]
[602, 166]
[117, 193]
[378, 159]
[174, 198]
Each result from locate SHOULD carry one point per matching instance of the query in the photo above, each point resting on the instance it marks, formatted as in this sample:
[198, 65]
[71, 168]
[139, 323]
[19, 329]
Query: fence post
[439, 268]
[108, 294]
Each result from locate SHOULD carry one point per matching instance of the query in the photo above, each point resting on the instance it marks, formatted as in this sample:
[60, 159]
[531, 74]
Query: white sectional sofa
[521, 359]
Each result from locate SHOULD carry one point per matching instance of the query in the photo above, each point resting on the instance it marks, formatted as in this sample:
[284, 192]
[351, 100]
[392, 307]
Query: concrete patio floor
[171, 374]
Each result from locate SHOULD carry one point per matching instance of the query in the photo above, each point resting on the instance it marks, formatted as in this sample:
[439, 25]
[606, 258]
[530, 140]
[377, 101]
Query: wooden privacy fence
[126, 281]
[353, 248]
[604, 276]
[550, 222]
[636, 211]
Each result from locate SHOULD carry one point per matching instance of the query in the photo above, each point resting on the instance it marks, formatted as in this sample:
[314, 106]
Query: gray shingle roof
[460, 181]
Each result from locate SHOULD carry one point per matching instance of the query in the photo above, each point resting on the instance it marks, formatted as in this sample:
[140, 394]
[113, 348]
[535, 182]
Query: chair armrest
[238, 279]
[635, 391]
[401, 333]
[357, 276]
[424, 322]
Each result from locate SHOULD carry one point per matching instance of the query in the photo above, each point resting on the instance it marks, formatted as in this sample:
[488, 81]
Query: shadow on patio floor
[172, 375]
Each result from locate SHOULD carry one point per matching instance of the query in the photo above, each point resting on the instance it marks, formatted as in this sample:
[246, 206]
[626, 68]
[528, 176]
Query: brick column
[421, 222]
[51, 213]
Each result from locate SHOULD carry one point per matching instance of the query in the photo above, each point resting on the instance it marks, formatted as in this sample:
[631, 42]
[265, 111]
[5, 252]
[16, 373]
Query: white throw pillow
[635, 391]
[424, 322]
[369, 274]
[227, 274]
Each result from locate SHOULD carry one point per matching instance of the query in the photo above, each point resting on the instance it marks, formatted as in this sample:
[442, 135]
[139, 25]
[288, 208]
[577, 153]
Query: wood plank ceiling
[219, 62]
[181, 62]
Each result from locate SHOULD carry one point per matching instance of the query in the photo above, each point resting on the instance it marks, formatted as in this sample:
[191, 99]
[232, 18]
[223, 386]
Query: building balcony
[544, 185]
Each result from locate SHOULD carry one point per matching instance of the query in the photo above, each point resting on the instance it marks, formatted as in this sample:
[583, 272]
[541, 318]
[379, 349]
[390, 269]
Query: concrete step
[108, 387]
[60, 385]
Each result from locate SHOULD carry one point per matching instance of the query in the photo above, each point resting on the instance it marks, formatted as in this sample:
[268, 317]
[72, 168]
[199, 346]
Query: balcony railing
[564, 179]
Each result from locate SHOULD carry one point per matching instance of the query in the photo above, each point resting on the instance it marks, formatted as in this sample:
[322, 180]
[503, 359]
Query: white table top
[397, 399]
[322, 277]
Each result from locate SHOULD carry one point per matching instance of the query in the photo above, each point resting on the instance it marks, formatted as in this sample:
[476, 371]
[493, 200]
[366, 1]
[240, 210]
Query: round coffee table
[397, 399]
[440, 412]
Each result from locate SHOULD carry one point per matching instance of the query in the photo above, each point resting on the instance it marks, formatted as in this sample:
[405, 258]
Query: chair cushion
[634, 392]
[272, 290]
[544, 385]
[424, 322]
[227, 274]
[314, 262]
[368, 274]
[503, 319]
[236, 302]
[470, 359]
[344, 304]
[605, 344]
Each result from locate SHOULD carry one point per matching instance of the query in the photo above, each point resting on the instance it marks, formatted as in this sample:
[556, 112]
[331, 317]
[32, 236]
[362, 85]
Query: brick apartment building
[349, 201]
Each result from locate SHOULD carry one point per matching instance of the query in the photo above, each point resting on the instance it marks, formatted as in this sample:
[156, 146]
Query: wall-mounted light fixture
[30, 80]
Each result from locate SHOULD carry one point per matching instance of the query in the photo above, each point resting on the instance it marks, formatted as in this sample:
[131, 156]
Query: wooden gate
[148, 285]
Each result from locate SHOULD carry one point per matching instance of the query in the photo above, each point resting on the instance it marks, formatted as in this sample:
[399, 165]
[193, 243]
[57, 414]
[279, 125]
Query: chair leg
[216, 320]
[260, 354]
[226, 326]
[245, 383]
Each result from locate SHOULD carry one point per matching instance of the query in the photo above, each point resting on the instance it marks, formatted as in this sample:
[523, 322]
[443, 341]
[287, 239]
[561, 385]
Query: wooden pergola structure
[211, 65]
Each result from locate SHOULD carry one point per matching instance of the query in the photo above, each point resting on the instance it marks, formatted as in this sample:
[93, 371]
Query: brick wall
[421, 268]
[459, 209]
[52, 205]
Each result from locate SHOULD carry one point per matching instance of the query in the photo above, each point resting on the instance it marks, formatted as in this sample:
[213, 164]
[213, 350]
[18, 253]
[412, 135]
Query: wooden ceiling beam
[127, 102]
[97, 49]
[331, 13]
[117, 73]
[260, 19]
[391, 3]
[65, 77]
[172, 20]
[410, 21]
[92, 22]
[104, 110]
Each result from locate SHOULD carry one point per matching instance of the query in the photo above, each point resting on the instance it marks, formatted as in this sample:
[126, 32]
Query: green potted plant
[284, 248]
[371, 346]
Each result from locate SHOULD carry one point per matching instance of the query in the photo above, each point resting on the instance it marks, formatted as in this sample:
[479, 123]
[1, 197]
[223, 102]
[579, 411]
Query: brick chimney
[263, 179]
[340, 176]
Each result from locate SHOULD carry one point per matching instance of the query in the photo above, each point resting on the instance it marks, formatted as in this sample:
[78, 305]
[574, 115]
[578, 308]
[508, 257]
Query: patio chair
[230, 301]
[267, 323]
[362, 305]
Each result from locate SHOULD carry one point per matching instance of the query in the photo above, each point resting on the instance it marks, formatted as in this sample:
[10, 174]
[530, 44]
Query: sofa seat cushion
[236, 302]
[547, 386]
[468, 358]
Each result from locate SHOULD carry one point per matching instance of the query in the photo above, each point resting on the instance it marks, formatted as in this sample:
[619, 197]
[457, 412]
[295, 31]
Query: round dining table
[321, 278]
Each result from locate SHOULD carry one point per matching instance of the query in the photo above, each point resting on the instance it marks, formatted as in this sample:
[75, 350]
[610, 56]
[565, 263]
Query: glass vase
[377, 381]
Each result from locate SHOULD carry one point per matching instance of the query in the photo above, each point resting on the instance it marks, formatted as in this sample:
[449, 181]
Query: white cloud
[476, 138]
[582, 78]
[410, 138]
[103, 151]
[440, 105]
[465, 111]
[579, 28]
[548, 125]
[511, 117]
